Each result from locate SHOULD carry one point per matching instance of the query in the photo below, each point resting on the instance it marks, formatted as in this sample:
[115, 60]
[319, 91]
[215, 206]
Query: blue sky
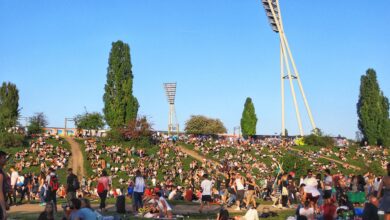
[219, 53]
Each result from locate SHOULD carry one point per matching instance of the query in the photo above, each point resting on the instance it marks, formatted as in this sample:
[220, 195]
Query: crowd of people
[30, 171]
[234, 173]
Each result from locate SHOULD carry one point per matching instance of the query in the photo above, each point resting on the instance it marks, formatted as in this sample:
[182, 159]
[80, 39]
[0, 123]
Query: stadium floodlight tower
[170, 91]
[273, 13]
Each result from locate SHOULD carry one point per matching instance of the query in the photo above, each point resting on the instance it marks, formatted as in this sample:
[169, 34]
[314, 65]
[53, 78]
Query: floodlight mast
[170, 91]
[273, 13]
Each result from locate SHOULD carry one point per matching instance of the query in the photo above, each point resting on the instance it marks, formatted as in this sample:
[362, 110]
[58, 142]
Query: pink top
[104, 180]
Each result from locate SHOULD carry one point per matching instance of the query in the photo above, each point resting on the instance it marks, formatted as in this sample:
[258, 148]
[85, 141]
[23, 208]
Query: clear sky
[218, 52]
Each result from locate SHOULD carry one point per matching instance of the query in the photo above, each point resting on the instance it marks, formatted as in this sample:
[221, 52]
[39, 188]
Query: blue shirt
[86, 214]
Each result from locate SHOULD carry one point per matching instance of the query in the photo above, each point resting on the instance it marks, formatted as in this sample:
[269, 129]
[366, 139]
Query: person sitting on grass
[163, 206]
[251, 214]
[76, 205]
[48, 213]
[86, 212]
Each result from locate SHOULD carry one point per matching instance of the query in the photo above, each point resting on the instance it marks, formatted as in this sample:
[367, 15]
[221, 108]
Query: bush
[115, 135]
[11, 140]
[316, 140]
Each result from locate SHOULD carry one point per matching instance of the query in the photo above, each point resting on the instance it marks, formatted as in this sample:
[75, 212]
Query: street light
[274, 16]
[66, 120]
[238, 128]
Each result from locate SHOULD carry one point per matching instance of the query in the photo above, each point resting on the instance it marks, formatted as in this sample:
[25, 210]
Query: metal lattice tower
[273, 13]
[173, 125]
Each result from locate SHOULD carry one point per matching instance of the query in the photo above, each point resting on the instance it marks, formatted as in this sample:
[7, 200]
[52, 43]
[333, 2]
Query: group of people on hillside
[239, 178]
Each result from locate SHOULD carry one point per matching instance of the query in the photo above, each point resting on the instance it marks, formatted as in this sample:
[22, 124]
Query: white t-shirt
[139, 185]
[239, 184]
[14, 177]
[311, 186]
[206, 187]
[328, 181]
[172, 195]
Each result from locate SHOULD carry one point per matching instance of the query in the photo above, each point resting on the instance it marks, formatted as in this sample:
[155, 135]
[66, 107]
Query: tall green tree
[37, 123]
[89, 121]
[9, 106]
[248, 119]
[120, 106]
[199, 124]
[373, 111]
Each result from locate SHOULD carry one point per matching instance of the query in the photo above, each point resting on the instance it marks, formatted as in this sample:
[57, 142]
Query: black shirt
[70, 180]
[370, 212]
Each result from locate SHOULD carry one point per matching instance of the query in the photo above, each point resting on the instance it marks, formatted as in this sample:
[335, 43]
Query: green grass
[36, 169]
[150, 150]
[33, 216]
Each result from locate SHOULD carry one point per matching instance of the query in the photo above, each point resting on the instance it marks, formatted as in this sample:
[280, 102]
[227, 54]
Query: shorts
[310, 197]
[240, 195]
[206, 198]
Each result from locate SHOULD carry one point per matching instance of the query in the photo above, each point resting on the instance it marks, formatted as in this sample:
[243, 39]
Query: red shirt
[188, 195]
[148, 192]
[329, 211]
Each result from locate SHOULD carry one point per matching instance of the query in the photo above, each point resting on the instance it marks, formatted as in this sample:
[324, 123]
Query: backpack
[53, 185]
[76, 183]
[100, 187]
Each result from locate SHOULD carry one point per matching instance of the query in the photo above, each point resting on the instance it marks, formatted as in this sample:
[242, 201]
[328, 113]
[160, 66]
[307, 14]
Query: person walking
[102, 190]
[14, 179]
[139, 187]
[53, 185]
[250, 196]
[240, 190]
[5, 186]
[72, 185]
[206, 186]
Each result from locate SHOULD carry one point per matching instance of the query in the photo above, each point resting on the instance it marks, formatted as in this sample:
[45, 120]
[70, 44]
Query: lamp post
[238, 128]
[66, 120]
[273, 13]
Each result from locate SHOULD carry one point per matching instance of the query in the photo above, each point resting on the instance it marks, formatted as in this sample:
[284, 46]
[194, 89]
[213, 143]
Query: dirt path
[195, 155]
[77, 160]
[331, 159]
[177, 209]
[199, 157]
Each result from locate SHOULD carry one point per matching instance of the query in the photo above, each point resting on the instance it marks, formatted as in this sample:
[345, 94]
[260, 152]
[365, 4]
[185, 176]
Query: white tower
[273, 13]
[173, 125]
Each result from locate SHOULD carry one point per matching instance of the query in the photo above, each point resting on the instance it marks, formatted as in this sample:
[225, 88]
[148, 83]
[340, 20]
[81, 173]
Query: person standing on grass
[53, 185]
[102, 189]
[71, 186]
[14, 178]
[4, 186]
[206, 186]
[328, 184]
[138, 191]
